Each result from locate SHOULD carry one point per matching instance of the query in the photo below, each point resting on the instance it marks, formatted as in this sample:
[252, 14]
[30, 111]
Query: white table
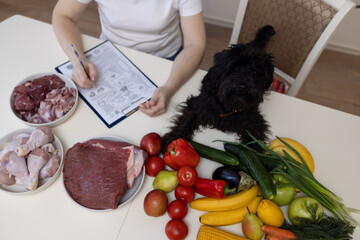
[28, 46]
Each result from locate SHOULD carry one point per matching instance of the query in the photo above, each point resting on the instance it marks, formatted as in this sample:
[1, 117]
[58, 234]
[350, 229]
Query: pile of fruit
[249, 188]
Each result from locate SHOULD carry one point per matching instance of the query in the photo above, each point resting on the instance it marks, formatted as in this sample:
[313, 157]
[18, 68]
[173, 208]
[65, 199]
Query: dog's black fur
[230, 93]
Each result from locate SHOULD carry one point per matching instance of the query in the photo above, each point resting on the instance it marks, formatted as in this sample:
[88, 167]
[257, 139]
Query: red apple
[155, 203]
[151, 143]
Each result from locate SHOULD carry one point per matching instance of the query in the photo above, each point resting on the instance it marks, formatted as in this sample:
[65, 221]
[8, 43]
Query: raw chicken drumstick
[36, 161]
[51, 166]
[39, 137]
[17, 167]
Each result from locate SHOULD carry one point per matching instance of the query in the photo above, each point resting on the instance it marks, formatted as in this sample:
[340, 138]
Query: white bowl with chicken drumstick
[30, 160]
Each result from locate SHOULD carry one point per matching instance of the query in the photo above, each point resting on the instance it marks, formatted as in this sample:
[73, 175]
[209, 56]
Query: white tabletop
[28, 46]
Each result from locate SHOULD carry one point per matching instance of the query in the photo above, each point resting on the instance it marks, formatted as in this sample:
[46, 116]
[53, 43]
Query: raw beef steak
[95, 177]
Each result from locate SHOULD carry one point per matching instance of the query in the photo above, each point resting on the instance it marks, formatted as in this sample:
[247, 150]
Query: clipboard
[120, 87]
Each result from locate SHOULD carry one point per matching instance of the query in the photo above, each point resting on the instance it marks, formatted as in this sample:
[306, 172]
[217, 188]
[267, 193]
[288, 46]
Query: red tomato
[177, 209]
[187, 176]
[185, 193]
[154, 165]
[176, 229]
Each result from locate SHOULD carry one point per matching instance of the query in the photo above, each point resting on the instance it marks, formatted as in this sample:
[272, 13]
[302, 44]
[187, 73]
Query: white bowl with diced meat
[103, 173]
[44, 99]
[30, 160]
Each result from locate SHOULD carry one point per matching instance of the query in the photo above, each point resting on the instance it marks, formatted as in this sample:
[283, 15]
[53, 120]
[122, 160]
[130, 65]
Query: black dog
[230, 93]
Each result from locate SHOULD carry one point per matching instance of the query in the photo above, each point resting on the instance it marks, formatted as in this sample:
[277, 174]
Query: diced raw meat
[35, 101]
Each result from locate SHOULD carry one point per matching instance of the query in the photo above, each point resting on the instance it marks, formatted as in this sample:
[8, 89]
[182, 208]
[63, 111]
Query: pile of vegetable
[249, 187]
[284, 167]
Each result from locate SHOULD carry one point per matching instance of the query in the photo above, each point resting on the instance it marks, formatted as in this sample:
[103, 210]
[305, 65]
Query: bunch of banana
[277, 146]
[228, 210]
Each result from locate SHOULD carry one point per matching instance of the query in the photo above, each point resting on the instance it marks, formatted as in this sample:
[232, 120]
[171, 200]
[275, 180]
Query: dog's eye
[240, 88]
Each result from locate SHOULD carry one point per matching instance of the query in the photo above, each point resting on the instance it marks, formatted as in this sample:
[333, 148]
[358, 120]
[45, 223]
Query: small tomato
[176, 229]
[187, 176]
[185, 193]
[177, 209]
[154, 165]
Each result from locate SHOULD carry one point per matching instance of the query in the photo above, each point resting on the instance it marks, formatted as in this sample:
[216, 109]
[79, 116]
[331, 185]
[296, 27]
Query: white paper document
[120, 87]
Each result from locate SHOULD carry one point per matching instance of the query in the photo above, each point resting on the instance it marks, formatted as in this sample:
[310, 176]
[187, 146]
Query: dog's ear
[223, 60]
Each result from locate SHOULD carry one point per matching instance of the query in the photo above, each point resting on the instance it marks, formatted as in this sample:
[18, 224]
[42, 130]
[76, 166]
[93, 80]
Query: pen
[78, 57]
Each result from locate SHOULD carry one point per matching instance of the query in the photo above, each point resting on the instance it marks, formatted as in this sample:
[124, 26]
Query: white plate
[130, 193]
[43, 183]
[68, 82]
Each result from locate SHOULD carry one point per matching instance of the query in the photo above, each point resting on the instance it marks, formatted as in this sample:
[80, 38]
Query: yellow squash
[224, 218]
[277, 146]
[234, 201]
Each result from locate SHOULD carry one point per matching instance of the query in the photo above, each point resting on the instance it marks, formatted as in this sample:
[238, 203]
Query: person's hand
[158, 103]
[80, 78]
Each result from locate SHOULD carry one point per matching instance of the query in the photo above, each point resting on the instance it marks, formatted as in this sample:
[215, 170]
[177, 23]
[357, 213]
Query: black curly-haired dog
[230, 93]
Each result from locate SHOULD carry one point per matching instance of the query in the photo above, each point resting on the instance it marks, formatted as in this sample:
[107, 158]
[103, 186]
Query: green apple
[284, 192]
[284, 195]
[305, 208]
[278, 179]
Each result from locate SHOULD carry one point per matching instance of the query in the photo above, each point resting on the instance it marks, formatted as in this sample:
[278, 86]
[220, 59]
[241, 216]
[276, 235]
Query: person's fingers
[92, 71]
[83, 82]
[80, 78]
[152, 109]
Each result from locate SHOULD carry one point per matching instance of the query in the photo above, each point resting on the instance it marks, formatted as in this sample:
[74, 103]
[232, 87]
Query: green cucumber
[255, 168]
[214, 154]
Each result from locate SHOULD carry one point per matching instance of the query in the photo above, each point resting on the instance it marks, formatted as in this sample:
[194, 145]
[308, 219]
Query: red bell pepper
[213, 188]
[180, 153]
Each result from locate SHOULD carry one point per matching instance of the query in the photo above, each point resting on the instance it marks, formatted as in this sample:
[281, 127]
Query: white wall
[220, 12]
[346, 38]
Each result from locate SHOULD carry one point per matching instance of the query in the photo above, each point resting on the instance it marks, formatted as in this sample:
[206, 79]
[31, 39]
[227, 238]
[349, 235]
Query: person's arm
[185, 64]
[65, 16]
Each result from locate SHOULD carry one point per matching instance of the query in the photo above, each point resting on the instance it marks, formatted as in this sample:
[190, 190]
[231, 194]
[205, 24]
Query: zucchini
[214, 154]
[255, 168]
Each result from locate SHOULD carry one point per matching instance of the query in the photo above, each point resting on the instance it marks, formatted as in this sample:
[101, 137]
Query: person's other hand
[157, 104]
[80, 78]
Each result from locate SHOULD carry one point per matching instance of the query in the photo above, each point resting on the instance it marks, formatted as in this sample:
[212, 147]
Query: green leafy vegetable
[328, 228]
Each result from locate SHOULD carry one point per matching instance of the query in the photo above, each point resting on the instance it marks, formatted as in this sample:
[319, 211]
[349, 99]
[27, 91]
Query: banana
[223, 218]
[234, 201]
[277, 146]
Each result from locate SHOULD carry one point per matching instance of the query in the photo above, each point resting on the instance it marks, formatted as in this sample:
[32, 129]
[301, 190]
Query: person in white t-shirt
[172, 29]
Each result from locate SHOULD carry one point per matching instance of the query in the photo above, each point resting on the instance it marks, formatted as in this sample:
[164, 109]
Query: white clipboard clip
[133, 107]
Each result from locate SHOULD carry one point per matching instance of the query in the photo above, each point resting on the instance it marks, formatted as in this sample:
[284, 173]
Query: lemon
[270, 213]
[277, 146]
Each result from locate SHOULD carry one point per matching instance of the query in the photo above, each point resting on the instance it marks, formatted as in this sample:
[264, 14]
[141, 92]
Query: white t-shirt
[151, 26]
